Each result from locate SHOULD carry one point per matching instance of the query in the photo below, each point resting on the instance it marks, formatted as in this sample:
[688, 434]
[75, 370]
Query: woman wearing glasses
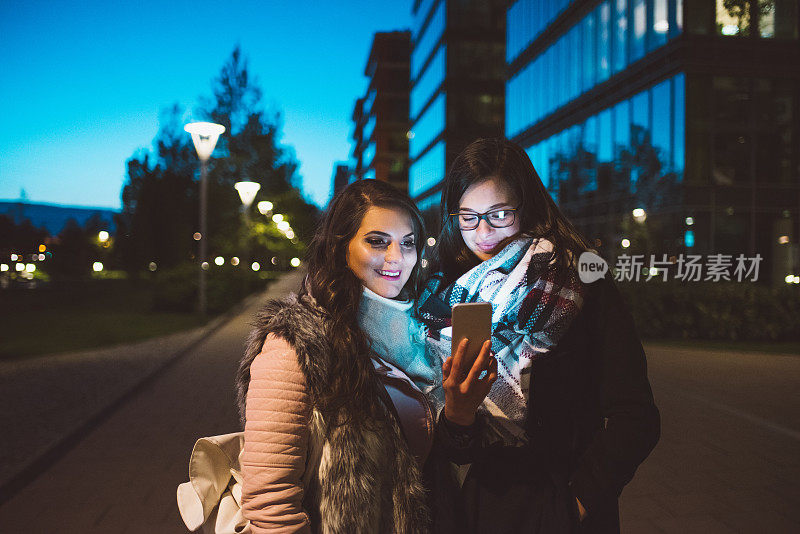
[571, 414]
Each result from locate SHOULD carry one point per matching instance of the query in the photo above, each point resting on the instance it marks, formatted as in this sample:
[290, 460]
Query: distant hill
[53, 217]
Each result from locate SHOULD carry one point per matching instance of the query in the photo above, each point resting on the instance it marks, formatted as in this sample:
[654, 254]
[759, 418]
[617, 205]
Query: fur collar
[366, 481]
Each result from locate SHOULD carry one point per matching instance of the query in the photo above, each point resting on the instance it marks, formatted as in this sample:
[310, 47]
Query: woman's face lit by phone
[490, 195]
[383, 252]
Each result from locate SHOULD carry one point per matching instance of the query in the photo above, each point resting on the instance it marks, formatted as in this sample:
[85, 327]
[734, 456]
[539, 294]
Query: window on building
[733, 18]
[679, 124]
[428, 83]
[639, 34]
[662, 124]
[427, 40]
[619, 55]
[660, 28]
[427, 171]
[427, 127]
[603, 42]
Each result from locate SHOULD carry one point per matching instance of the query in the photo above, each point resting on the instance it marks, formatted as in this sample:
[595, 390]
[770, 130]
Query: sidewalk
[158, 391]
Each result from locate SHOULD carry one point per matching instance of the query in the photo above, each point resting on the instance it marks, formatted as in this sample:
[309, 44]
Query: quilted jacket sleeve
[275, 442]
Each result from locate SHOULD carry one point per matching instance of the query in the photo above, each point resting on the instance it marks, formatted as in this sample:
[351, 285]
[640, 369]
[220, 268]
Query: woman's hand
[464, 391]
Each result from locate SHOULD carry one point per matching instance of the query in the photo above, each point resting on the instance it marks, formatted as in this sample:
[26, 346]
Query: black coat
[591, 422]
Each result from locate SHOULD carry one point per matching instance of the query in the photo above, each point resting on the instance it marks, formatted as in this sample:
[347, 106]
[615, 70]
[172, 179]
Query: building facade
[380, 144]
[686, 109]
[457, 88]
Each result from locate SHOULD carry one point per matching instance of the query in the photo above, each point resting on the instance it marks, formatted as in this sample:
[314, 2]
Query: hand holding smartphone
[471, 320]
[471, 369]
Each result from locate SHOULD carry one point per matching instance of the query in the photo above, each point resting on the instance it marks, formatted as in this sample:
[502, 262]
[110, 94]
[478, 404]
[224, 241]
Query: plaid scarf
[533, 303]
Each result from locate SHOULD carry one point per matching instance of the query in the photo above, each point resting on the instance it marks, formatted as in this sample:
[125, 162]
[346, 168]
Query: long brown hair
[539, 216]
[349, 397]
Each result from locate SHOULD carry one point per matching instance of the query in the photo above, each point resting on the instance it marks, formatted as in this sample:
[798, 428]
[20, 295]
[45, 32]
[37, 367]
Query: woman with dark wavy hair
[335, 435]
[571, 414]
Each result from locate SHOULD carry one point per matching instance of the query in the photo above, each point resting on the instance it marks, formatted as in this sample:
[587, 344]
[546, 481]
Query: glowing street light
[264, 207]
[625, 243]
[275, 218]
[639, 215]
[256, 266]
[283, 226]
[97, 266]
[247, 192]
[102, 236]
[204, 136]
[219, 260]
[295, 262]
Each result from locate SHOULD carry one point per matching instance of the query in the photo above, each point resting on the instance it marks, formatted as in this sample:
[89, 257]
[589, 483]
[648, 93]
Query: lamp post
[204, 137]
[247, 192]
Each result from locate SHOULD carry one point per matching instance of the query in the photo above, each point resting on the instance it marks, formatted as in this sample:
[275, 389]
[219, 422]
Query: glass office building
[380, 143]
[687, 109]
[457, 88]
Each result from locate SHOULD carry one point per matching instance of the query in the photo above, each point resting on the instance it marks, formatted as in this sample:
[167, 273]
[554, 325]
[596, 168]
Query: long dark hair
[538, 214]
[349, 397]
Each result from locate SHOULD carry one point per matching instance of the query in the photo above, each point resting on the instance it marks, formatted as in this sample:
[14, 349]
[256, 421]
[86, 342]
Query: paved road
[727, 461]
[728, 456]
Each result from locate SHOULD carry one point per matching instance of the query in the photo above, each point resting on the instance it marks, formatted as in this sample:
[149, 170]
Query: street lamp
[264, 207]
[247, 192]
[204, 137]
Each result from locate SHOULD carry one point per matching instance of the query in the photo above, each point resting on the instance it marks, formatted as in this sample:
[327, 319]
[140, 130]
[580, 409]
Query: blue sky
[82, 83]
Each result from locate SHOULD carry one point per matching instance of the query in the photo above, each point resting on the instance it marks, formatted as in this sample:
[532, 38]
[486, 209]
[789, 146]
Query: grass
[82, 315]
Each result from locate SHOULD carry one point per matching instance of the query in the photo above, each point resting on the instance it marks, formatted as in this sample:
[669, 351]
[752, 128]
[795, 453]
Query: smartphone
[471, 320]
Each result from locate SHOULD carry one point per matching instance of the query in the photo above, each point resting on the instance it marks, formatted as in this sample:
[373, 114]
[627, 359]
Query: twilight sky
[82, 82]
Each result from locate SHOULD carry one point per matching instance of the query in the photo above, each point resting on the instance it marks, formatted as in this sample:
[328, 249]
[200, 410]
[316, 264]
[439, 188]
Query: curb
[38, 465]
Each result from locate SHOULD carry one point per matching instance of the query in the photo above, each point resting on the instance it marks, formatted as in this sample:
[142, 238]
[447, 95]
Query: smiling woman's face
[490, 194]
[383, 252]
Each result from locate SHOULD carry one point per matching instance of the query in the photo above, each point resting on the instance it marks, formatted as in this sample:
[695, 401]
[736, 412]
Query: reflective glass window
[603, 41]
[517, 29]
[778, 18]
[679, 124]
[640, 118]
[733, 18]
[638, 36]
[428, 83]
[420, 15]
[369, 127]
[427, 127]
[368, 155]
[622, 127]
[427, 171]
[588, 156]
[432, 201]
[427, 40]
[660, 22]
[574, 61]
[619, 57]
[662, 124]
[605, 148]
[589, 52]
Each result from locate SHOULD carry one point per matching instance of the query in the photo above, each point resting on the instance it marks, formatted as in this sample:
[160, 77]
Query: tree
[160, 197]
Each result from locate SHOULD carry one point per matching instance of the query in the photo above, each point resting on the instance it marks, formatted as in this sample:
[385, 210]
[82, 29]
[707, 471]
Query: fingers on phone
[448, 363]
[458, 357]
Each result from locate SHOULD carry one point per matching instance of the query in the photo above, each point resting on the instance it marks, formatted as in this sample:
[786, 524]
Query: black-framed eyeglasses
[498, 218]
